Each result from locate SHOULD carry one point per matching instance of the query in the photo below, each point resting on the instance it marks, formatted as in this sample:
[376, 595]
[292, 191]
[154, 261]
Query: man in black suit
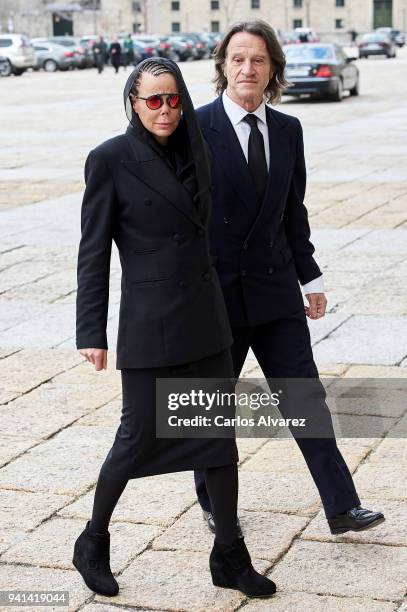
[260, 236]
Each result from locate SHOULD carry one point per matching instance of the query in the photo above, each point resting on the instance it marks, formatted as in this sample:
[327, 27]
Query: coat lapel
[232, 156]
[154, 172]
[280, 154]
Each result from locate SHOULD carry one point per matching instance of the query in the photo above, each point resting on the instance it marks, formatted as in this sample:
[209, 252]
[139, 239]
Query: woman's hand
[96, 356]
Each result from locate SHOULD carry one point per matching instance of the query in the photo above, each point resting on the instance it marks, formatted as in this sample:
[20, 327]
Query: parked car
[396, 36]
[377, 43]
[5, 68]
[183, 48]
[151, 44]
[143, 49]
[82, 56]
[201, 46]
[320, 69]
[18, 51]
[52, 57]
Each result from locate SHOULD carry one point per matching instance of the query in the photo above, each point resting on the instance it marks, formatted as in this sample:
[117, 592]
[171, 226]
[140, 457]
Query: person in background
[99, 53]
[128, 47]
[115, 54]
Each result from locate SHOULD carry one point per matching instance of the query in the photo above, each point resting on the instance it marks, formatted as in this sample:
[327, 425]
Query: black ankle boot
[91, 559]
[231, 567]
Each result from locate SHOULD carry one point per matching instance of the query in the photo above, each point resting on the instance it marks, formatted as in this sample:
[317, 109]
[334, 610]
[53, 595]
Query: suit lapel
[279, 144]
[232, 156]
[154, 172]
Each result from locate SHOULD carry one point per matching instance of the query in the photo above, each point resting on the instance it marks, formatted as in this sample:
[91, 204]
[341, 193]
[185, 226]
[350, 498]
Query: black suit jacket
[262, 249]
[172, 309]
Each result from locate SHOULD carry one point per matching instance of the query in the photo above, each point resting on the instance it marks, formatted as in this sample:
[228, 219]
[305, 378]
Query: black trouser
[283, 350]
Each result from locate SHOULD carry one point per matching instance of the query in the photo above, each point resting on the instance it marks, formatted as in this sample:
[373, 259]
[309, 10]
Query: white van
[18, 51]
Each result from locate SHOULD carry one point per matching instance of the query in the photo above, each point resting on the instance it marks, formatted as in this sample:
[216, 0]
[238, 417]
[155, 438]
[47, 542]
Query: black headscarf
[185, 153]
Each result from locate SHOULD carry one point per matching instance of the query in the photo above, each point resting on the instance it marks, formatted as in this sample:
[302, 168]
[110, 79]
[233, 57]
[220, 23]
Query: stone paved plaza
[59, 417]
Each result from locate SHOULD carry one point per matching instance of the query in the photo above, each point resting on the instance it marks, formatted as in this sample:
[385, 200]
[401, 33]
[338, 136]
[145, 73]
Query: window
[338, 24]
[175, 26]
[339, 2]
[214, 5]
[137, 27]
[255, 4]
[297, 23]
[297, 3]
[215, 26]
[175, 6]
[136, 7]
[5, 42]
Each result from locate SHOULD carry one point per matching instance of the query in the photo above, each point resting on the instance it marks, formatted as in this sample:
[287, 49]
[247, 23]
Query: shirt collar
[236, 113]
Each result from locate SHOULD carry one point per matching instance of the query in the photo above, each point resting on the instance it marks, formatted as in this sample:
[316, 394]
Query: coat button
[269, 270]
[147, 202]
[207, 276]
[245, 246]
[200, 231]
[182, 283]
[244, 273]
[176, 237]
[271, 244]
[226, 220]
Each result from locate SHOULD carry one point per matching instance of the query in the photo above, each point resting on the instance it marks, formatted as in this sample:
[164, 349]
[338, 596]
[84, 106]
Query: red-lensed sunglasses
[157, 100]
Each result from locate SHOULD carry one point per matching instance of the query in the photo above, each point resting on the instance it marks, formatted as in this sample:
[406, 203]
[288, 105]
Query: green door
[61, 25]
[382, 13]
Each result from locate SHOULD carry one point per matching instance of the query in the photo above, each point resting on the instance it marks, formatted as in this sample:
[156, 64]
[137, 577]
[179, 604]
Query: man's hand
[96, 356]
[317, 305]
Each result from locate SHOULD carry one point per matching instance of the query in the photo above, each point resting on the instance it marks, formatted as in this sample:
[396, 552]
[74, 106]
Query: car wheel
[175, 56]
[338, 95]
[18, 71]
[5, 69]
[355, 89]
[50, 65]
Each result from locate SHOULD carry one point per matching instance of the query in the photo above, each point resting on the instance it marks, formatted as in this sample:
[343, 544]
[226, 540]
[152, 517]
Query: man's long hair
[277, 83]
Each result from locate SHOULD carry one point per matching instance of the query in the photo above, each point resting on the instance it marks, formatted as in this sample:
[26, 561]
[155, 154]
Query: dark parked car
[183, 49]
[396, 36]
[377, 43]
[320, 69]
[52, 57]
[201, 45]
[82, 55]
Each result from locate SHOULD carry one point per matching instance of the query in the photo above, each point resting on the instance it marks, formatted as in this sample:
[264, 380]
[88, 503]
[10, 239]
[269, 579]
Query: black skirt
[136, 450]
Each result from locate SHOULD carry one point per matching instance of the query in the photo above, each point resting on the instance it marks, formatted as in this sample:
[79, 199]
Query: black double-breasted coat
[172, 309]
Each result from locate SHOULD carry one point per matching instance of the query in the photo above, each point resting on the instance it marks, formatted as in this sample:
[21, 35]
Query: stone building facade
[327, 17]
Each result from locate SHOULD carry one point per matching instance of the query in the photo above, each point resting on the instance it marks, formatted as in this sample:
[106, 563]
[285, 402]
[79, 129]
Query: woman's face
[163, 121]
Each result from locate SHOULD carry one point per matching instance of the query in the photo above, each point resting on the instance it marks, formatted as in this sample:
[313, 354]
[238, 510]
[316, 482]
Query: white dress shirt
[236, 116]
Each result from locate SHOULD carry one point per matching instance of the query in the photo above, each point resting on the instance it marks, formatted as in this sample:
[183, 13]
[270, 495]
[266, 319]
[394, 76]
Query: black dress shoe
[91, 559]
[208, 518]
[231, 568]
[355, 519]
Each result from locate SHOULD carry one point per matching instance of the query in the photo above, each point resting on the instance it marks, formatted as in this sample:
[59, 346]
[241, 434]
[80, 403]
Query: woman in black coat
[149, 191]
[115, 54]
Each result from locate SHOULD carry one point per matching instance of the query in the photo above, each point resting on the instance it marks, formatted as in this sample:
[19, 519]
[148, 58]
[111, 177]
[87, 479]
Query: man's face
[247, 69]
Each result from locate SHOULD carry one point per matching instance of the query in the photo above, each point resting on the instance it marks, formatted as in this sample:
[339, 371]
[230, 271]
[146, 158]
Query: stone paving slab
[29, 368]
[269, 458]
[381, 481]
[184, 579]
[51, 407]
[190, 533]
[65, 464]
[357, 341]
[11, 447]
[14, 504]
[392, 532]
[270, 492]
[39, 547]
[157, 500]
[30, 578]
[350, 570]
[288, 602]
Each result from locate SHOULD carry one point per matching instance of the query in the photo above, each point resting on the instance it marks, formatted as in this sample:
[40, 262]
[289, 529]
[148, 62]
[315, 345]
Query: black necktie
[256, 156]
